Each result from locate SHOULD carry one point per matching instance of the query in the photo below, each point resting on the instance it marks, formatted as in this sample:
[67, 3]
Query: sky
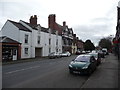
[89, 19]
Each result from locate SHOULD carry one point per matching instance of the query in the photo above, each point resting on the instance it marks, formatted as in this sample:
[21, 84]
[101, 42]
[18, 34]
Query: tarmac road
[53, 73]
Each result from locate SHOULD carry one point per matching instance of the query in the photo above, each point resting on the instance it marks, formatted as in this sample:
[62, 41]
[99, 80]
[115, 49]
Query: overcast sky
[90, 19]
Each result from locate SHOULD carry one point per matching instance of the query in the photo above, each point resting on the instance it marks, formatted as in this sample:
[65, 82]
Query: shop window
[14, 51]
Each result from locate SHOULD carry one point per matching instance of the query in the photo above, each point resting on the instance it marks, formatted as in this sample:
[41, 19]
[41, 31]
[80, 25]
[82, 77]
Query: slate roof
[5, 39]
[35, 27]
[20, 26]
[30, 25]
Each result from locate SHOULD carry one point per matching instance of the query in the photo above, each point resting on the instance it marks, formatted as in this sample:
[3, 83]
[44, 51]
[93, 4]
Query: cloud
[97, 29]
[90, 19]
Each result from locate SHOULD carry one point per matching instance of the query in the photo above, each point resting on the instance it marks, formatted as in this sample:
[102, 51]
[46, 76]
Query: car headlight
[85, 67]
[70, 66]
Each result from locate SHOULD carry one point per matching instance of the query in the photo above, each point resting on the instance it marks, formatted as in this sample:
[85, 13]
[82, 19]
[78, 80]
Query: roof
[20, 26]
[5, 39]
[30, 25]
[35, 27]
[44, 29]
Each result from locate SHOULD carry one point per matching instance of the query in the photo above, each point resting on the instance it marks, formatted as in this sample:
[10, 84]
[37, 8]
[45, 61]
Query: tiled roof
[5, 39]
[20, 26]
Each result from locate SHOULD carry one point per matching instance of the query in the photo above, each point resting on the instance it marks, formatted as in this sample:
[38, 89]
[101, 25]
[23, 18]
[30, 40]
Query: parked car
[105, 51]
[101, 54]
[83, 64]
[54, 55]
[83, 52]
[66, 54]
[58, 55]
[97, 57]
[78, 52]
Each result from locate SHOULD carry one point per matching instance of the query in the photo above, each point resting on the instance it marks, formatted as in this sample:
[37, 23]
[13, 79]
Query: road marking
[22, 70]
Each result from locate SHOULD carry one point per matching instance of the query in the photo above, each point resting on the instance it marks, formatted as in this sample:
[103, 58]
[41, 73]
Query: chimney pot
[64, 23]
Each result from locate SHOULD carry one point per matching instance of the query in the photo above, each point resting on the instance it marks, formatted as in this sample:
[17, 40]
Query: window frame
[26, 38]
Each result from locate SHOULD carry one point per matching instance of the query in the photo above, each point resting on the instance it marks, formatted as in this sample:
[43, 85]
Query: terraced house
[38, 41]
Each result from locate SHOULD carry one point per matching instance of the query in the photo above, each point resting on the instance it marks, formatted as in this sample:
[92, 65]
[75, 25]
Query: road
[52, 73]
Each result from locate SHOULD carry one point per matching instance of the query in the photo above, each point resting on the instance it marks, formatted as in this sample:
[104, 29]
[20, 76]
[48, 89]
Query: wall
[10, 31]
[24, 45]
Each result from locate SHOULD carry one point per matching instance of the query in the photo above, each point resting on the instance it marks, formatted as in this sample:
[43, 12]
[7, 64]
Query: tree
[88, 45]
[105, 43]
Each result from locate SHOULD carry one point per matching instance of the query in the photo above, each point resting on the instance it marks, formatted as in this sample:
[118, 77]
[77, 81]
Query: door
[14, 54]
[38, 52]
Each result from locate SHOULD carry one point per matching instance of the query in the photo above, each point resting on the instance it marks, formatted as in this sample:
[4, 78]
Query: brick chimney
[51, 21]
[64, 23]
[33, 20]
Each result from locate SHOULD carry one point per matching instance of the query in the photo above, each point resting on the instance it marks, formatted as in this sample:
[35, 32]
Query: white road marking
[22, 69]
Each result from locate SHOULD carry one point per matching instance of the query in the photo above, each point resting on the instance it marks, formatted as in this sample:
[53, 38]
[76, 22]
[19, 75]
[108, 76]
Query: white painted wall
[24, 45]
[11, 31]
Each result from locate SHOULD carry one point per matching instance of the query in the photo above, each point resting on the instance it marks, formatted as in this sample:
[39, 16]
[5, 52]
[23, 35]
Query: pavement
[23, 60]
[106, 75]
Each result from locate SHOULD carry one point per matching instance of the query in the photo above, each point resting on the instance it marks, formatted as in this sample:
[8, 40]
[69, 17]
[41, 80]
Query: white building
[35, 40]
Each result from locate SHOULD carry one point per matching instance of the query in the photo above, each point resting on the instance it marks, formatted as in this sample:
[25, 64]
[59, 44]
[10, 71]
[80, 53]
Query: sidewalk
[24, 60]
[106, 75]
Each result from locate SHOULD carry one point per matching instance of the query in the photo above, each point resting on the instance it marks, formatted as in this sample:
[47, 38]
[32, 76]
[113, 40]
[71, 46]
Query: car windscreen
[82, 59]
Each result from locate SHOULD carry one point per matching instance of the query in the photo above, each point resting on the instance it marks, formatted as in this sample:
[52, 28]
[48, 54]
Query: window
[49, 50]
[26, 38]
[26, 51]
[14, 51]
[57, 42]
[49, 41]
[38, 40]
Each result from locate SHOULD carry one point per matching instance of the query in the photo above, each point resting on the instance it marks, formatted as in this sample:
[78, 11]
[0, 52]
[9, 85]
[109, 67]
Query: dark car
[97, 57]
[101, 54]
[83, 64]
[105, 51]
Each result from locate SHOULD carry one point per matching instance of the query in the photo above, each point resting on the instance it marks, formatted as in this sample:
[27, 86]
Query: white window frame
[26, 38]
[26, 52]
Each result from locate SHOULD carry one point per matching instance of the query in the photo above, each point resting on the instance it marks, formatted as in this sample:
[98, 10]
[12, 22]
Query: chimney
[64, 23]
[33, 20]
[77, 38]
[51, 21]
[74, 35]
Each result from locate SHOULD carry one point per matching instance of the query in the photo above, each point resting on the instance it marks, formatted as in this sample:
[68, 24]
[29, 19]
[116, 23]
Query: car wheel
[70, 71]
